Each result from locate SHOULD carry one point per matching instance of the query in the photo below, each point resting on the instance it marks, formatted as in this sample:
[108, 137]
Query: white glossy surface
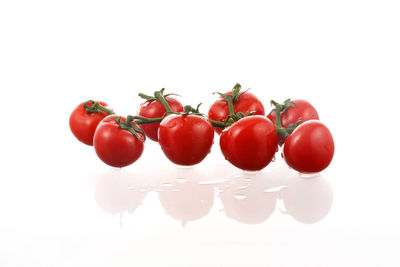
[61, 206]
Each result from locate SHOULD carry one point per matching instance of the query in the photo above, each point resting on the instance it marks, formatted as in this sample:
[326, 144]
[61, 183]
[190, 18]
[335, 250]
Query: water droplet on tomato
[277, 149]
[273, 159]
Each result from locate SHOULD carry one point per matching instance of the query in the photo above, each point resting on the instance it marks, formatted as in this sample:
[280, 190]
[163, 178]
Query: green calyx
[159, 95]
[279, 110]
[140, 120]
[127, 125]
[236, 93]
[189, 110]
[95, 107]
[230, 99]
[232, 118]
[284, 106]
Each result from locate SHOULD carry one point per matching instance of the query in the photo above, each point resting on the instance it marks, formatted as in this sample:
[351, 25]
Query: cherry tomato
[115, 146]
[247, 102]
[309, 148]
[155, 109]
[83, 124]
[303, 111]
[250, 143]
[185, 139]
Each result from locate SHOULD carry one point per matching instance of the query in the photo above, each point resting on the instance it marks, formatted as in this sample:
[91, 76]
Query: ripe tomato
[83, 124]
[250, 143]
[155, 109]
[185, 139]
[309, 148]
[115, 146]
[303, 111]
[247, 102]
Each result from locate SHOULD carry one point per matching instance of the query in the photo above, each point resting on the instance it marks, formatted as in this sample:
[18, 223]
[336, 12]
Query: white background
[61, 206]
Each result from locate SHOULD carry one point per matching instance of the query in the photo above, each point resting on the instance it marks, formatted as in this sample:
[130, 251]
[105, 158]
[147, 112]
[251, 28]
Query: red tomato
[250, 143]
[83, 124]
[247, 102]
[309, 148]
[303, 111]
[154, 109]
[115, 146]
[185, 139]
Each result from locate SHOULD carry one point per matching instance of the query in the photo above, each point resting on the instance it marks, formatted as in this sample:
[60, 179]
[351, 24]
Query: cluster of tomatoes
[248, 138]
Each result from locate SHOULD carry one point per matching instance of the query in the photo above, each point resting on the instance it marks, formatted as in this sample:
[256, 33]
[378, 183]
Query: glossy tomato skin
[154, 109]
[247, 102]
[83, 124]
[303, 111]
[185, 139]
[309, 148]
[250, 143]
[115, 146]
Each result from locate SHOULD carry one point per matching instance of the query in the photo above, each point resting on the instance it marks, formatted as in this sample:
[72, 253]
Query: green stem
[143, 120]
[147, 97]
[283, 132]
[229, 99]
[129, 120]
[236, 92]
[127, 125]
[233, 98]
[104, 109]
[161, 98]
[218, 124]
[96, 107]
[140, 120]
